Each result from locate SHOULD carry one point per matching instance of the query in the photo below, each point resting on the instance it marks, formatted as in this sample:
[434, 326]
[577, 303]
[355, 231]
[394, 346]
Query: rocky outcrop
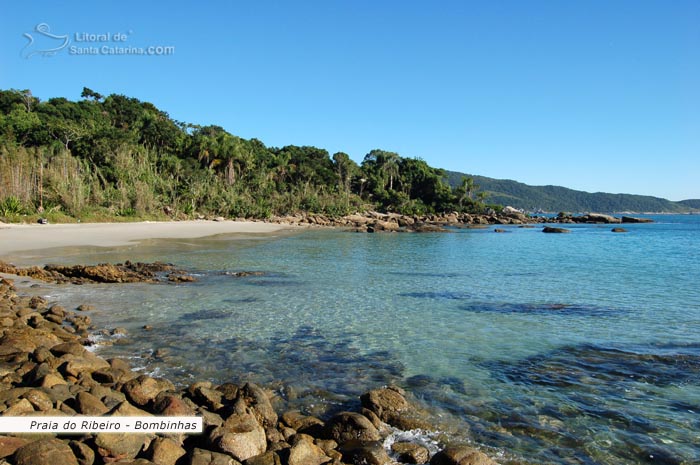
[126, 272]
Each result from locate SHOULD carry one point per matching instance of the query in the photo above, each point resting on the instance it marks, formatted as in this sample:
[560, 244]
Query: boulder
[461, 455]
[241, 436]
[619, 230]
[347, 426]
[305, 452]
[118, 446]
[9, 444]
[631, 219]
[600, 218]
[550, 229]
[409, 452]
[268, 458]
[165, 451]
[364, 453]
[84, 454]
[207, 457]
[144, 389]
[260, 404]
[45, 451]
[89, 405]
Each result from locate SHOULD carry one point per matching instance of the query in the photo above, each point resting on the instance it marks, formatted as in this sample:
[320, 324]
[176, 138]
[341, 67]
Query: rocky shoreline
[46, 369]
[372, 221]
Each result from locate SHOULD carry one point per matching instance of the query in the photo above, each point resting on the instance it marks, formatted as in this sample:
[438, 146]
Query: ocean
[579, 348]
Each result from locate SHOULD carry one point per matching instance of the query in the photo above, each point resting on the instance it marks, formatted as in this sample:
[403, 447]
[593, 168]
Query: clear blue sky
[592, 95]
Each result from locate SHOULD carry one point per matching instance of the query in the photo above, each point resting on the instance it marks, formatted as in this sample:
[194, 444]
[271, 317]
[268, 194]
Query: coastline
[241, 423]
[23, 237]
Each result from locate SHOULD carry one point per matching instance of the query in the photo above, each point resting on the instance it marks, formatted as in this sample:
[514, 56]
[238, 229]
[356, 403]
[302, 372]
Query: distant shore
[23, 237]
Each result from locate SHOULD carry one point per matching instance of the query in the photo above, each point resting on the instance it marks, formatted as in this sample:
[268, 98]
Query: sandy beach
[22, 237]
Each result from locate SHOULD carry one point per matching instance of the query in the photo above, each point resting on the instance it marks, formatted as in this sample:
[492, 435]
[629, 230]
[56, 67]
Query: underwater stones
[461, 455]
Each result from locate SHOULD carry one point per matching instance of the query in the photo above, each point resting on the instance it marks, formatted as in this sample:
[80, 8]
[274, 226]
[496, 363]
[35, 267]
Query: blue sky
[592, 95]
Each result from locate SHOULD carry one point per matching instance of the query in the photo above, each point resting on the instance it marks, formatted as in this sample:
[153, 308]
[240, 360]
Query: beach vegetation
[116, 157]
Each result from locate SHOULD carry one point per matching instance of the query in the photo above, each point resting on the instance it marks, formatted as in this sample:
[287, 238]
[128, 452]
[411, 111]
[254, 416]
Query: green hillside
[693, 204]
[556, 198]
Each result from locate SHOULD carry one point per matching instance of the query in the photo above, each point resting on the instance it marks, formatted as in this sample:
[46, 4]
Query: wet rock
[45, 451]
[300, 422]
[347, 426]
[364, 453]
[461, 455]
[553, 230]
[631, 219]
[409, 452]
[619, 230]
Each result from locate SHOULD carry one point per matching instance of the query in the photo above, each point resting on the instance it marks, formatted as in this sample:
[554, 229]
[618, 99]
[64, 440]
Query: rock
[391, 407]
[631, 219]
[117, 446]
[45, 451]
[619, 230]
[90, 405]
[85, 364]
[9, 444]
[300, 422]
[83, 453]
[144, 389]
[219, 219]
[18, 408]
[409, 452]
[259, 402]
[364, 453]
[207, 457]
[39, 400]
[241, 436]
[268, 458]
[347, 426]
[305, 452]
[550, 229]
[172, 405]
[499, 230]
[461, 455]
[85, 308]
[600, 218]
[165, 451]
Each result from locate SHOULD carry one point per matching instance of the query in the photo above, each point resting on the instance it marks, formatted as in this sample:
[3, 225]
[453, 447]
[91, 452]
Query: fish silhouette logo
[43, 42]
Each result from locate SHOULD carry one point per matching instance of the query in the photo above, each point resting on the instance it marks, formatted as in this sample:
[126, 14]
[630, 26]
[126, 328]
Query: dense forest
[556, 198]
[118, 157]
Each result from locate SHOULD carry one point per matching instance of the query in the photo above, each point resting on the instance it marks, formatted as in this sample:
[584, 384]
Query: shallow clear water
[581, 348]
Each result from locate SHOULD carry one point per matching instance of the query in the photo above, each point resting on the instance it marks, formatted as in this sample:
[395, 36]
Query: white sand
[16, 237]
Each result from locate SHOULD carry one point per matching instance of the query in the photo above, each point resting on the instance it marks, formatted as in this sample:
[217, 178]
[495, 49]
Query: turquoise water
[581, 348]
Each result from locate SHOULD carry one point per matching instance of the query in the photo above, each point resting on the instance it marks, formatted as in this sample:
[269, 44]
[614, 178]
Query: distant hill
[557, 198]
[694, 204]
